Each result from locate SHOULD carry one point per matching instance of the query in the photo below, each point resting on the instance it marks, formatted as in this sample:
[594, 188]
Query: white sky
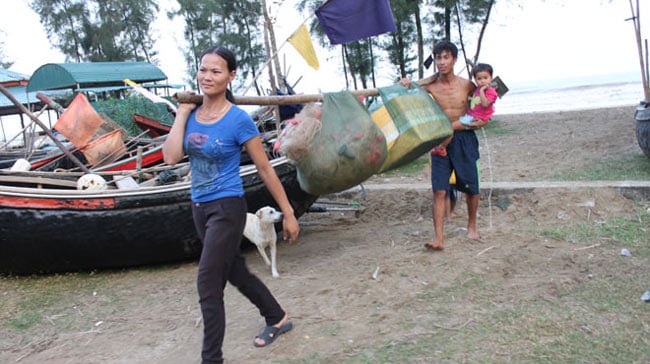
[541, 39]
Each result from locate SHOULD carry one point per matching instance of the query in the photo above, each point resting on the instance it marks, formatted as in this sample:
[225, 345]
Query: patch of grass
[593, 312]
[462, 288]
[588, 320]
[24, 320]
[631, 167]
[313, 358]
[620, 231]
[569, 329]
[414, 167]
[494, 127]
[43, 296]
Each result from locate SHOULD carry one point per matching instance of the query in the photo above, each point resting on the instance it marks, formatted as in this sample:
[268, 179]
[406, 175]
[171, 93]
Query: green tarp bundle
[413, 121]
[348, 149]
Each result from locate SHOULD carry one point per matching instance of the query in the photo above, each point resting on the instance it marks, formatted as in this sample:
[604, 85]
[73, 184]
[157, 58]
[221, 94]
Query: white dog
[260, 230]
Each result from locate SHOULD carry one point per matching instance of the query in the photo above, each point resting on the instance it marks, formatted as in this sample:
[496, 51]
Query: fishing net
[297, 133]
[411, 121]
[347, 150]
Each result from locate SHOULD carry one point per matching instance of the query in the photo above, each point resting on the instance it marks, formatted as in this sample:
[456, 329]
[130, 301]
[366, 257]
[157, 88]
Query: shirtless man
[451, 93]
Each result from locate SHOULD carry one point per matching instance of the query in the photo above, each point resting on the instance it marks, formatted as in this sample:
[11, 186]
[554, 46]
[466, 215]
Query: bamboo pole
[275, 54]
[47, 131]
[636, 20]
[187, 97]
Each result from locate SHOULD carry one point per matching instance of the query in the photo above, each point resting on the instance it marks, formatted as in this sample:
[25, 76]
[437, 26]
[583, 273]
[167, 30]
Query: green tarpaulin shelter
[74, 76]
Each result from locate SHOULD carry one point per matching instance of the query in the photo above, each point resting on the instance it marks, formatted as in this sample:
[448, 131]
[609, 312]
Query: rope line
[487, 147]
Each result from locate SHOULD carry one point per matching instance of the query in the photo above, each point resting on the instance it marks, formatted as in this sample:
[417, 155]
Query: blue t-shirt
[214, 151]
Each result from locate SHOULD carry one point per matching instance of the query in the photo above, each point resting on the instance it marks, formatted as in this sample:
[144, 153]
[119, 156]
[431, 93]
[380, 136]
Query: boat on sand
[47, 225]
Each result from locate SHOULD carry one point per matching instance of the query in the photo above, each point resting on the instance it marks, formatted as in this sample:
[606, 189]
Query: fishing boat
[47, 225]
[50, 222]
[154, 127]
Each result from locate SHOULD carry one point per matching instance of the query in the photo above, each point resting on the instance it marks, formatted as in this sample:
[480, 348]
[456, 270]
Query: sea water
[578, 93]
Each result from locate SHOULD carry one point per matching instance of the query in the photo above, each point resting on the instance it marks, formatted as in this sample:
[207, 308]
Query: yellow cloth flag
[302, 42]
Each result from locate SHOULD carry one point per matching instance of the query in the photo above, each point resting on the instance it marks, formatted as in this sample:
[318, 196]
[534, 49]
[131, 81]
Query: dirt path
[358, 277]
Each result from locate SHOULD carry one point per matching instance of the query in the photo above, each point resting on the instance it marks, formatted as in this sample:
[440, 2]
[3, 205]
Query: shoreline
[581, 97]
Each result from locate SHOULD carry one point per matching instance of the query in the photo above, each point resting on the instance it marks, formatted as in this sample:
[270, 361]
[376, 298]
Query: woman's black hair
[224, 53]
[230, 59]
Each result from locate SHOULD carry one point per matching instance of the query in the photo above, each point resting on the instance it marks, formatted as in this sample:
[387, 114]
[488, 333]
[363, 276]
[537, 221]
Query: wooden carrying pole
[47, 131]
[186, 97]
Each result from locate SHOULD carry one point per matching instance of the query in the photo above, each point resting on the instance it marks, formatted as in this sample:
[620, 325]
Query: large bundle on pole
[346, 150]
[412, 121]
[336, 144]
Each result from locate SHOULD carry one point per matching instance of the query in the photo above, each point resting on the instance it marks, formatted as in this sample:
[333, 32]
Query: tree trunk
[483, 27]
[418, 27]
[274, 49]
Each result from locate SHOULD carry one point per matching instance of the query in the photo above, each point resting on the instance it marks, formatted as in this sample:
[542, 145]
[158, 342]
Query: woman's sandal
[270, 333]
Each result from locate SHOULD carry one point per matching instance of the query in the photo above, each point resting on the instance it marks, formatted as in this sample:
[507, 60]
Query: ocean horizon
[576, 93]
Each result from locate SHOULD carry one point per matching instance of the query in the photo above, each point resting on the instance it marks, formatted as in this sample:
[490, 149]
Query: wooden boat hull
[153, 127]
[48, 230]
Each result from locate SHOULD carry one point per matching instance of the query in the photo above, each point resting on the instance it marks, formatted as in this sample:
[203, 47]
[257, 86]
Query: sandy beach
[359, 279]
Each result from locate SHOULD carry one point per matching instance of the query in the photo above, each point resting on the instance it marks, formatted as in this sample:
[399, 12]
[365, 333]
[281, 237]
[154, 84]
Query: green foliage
[121, 111]
[120, 30]
[399, 44]
[360, 57]
[233, 24]
[100, 30]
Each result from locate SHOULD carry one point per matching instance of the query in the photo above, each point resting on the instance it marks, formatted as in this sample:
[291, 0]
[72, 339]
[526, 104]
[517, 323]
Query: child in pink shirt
[481, 104]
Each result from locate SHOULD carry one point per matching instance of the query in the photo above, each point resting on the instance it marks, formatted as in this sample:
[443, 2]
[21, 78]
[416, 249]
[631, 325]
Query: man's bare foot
[473, 235]
[435, 246]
